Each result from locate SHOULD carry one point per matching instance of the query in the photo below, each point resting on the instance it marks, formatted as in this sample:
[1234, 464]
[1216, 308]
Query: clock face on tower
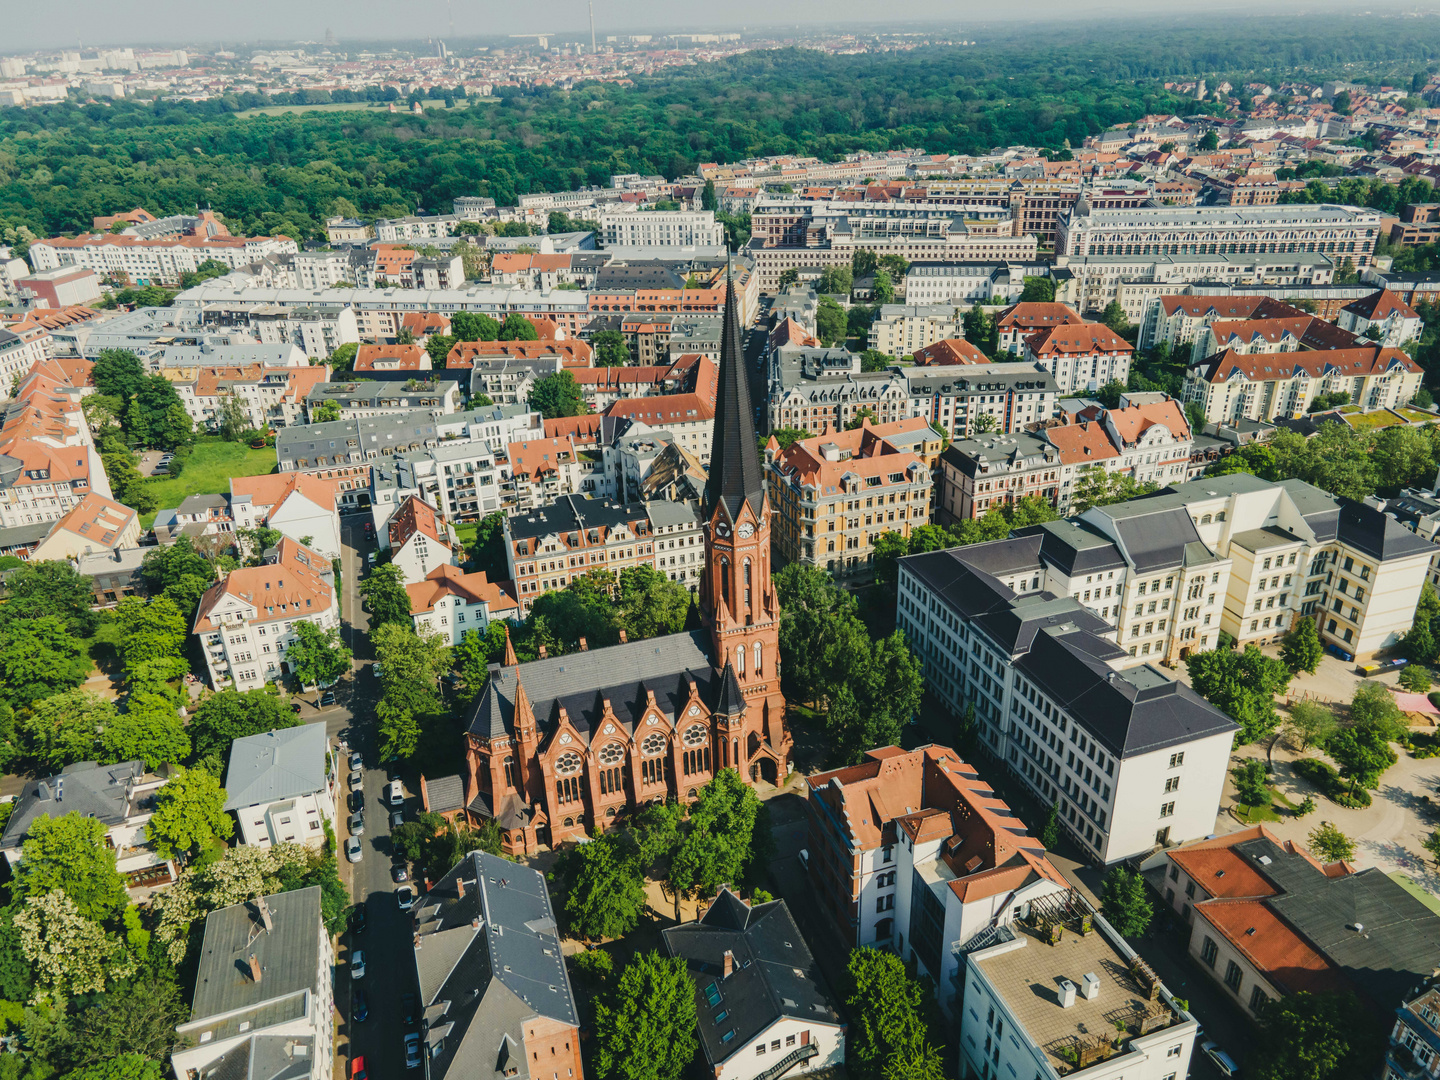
[745, 531]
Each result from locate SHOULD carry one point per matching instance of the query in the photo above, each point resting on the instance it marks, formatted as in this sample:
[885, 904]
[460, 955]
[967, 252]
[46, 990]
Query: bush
[1358, 799]
[1320, 773]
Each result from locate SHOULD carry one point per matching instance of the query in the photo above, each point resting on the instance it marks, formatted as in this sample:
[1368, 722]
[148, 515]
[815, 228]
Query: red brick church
[562, 746]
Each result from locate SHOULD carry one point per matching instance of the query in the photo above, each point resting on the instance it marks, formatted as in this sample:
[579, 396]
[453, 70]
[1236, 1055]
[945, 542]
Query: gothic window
[611, 753]
[725, 579]
[739, 659]
[569, 762]
[747, 571]
[510, 774]
[757, 658]
[653, 744]
[694, 735]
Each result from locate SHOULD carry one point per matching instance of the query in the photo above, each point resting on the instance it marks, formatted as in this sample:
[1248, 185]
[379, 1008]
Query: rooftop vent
[1067, 993]
[1091, 984]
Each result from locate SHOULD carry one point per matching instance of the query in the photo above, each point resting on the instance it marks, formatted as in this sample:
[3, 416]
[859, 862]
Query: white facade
[160, 260]
[661, 228]
[295, 820]
[900, 329]
[781, 1038]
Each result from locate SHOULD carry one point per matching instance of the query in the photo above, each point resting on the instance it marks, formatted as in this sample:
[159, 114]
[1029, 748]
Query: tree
[1306, 1036]
[189, 814]
[1195, 417]
[317, 656]
[1373, 707]
[232, 421]
[1038, 290]
[118, 373]
[1050, 832]
[472, 326]
[604, 889]
[150, 629]
[1301, 649]
[149, 730]
[889, 548]
[979, 329]
[51, 588]
[716, 848]
[412, 664]
[645, 1028]
[70, 952]
[517, 328]
[865, 412]
[649, 604]
[863, 262]
[385, 597]
[69, 853]
[325, 413]
[437, 347]
[830, 322]
[65, 728]
[707, 196]
[1098, 486]
[838, 280]
[1110, 394]
[1115, 318]
[1250, 783]
[1242, 685]
[985, 423]
[883, 288]
[1210, 141]
[1309, 725]
[38, 657]
[558, 395]
[610, 349]
[787, 437]
[343, 356]
[1402, 456]
[229, 715]
[1362, 754]
[124, 1067]
[1415, 679]
[889, 1016]
[1125, 903]
[1329, 844]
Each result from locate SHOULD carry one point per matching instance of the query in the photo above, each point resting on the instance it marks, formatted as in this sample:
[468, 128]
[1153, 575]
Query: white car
[395, 793]
[357, 964]
[405, 897]
[352, 849]
[1223, 1061]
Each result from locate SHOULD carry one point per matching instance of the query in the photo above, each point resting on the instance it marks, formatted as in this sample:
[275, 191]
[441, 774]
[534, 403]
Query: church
[561, 747]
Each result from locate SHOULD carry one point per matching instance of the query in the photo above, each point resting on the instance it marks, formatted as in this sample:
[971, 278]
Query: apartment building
[1014, 396]
[1233, 386]
[452, 603]
[153, 261]
[1082, 356]
[326, 269]
[336, 444]
[542, 470]
[834, 494]
[1383, 317]
[965, 284]
[1177, 320]
[1019, 321]
[819, 390]
[688, 418]
[93, 526]
[1268, 920]
[419, 539]
[1133, 758]
[1338, 232]
[989, 471]
[1089, 283]
[48, 461]
[548, 548]
[363, 400]
[661, 228]
[1416, 1034]
[900, 329]
[263, 992]
[67, 286]
[508, 381]
[318, 329]
[391, 358]
[281, 786]
[404, 230]
[268, 397]
[247, 620]
[1273, 335]
[299, 505]
[19, 352]
[949, 351]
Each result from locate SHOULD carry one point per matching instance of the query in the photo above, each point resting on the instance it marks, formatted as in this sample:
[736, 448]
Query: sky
[90, 23]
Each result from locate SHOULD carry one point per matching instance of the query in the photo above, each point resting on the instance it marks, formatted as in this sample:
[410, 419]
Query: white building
[281, 786]
[1383, 317]
[161, 260]
[900, 329]
[964, 284]
[301, 506]
[402, 230]
[661, 228]
[263, 992]
[1133, 758]
[451, 603]
[246, 621]
[420, 540]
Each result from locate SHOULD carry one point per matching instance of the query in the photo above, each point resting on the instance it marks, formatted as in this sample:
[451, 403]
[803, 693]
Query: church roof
[735, 474]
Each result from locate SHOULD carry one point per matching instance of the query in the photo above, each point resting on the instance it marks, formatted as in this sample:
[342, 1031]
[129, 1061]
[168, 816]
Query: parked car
[352, 848]
[357, 779]
[1223, 1061]
[357, 801]
[294, 706]
[405, 897]
[361, 1011]
[407, 1007]
[376, 670]
[356, 824]
[358, 918]
[397, 818]
[398, 873]
[357, 963]
[356, 761]
[395, 793]
[412, 1050]
[327, 698]
[357, 1069]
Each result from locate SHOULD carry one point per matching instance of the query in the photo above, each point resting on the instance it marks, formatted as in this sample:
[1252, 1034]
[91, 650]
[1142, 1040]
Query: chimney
[542, 652]
[584, 645]
[460, 887]
[263, 910]
[254, 969]
[1067, 994]
[622, 637]
[729, 964]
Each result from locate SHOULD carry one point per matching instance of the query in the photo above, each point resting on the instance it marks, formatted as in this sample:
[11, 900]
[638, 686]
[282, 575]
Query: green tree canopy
[604, 889]
[719, 837]
[890, 1016]
[38, 657]
[830, 322]
[150, 730]
[65, 728]
[230, 714]
[645, 1027]
[558, 395]
[69, 853]
[472, 326]
[51, 588]
[1301, 649]
[1307, 1036]
[1242, 684]
[610, 348]
[385, 597]
[189, 814]
[317, 656]
[1124, 901]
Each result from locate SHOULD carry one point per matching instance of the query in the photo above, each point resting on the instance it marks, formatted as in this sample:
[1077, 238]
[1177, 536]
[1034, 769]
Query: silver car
[352, 848]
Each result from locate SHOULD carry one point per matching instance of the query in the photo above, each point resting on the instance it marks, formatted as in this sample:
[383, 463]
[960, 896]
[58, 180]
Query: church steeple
[735, 474]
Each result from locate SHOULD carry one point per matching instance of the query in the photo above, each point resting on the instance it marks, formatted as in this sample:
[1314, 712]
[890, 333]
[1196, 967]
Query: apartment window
[1209, 951]
[1172, 784]
[1258, 998]
[1233, 975]
[1176, 760]
[1167, 809]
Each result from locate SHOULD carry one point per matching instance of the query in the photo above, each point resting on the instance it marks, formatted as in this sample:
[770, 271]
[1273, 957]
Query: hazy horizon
[370, 22]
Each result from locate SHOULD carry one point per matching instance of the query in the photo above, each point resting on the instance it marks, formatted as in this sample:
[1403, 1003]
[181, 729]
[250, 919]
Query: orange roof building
[1019, 321]
[391, 358]
[93, 526]
[950, 351]
[451, 603]
[1082, 356]
[419, 538]
[1231, 385]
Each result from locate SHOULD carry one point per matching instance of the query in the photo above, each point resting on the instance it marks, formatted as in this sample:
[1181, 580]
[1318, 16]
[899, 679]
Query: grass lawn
[208, 472]
[1425, 896]
[1252, 814]
[467, 531]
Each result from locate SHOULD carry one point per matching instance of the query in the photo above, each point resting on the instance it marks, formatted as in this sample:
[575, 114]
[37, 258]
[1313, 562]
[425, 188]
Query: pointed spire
[510, 658]
[735, 474]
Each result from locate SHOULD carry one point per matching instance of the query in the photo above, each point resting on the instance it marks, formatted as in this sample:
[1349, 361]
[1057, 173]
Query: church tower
[737, 598]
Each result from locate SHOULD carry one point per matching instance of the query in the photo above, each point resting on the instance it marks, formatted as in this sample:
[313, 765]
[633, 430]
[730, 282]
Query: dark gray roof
[637, 275]
[735, 473]
[774, 973]
[1157, 540]
[376, 393]
[574, 513]
[445, 793]
[1381, 937]
[1075, 547]
[373, 435]
[101, 792]
[486, 960]
[288, 954]
[1378, 534]
[276, 765]
[265, 1057]
[19, 536]
[581, 682]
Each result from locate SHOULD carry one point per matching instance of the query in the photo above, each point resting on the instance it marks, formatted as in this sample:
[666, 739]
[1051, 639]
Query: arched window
[747, 571]
[757, 658]
[739, 659]
[1205, 520]
[735, 753]
[510, 775]
[725, 579]
[1220, 516]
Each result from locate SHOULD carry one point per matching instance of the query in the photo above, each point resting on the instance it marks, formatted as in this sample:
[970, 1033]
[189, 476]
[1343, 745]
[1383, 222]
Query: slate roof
[276, 765]
[735, 473]
[581, 682]
[487, 959]
[1075, 547]
[288, 953]
[101, 792]
[774, 974]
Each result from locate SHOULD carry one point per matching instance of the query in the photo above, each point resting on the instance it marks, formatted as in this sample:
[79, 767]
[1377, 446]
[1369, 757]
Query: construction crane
[543, 39]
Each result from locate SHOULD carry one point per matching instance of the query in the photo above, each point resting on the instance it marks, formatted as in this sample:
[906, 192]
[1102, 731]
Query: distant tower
[329, 38]
[592, 25]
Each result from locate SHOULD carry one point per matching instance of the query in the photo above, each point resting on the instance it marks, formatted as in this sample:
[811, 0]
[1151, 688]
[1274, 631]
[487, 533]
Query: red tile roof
[1381, 305]
[572, 352]
[446, 580]
[1262, 367]
[290, 588]
[950, 351]
[1077, 339]
[1036, 316]
[390, 358]
[416, 515]
[1082, 443]
[1269, 943]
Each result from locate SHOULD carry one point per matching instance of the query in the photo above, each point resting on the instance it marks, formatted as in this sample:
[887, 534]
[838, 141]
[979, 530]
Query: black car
[361, 1012]
[407, 1007]
[397, 818]
[357, 801]
[327, 698]
[358, 918]
[399, 873]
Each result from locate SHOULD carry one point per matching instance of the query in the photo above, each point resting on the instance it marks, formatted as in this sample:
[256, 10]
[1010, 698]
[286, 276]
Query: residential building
[281, 786]
[93, 526]
[688, 417]
[247, 620]
[442, 272]
[327, 269]
[550, 547]
[1088, 1008]
[343, 230]
[420, 540]
[63, 287]
[487, 953]
[1082, 356]
[761, 1004]
[391, 358]
[342, 447]
[264, 996]
[1017, 397]
[991, 471]
[319, 329]
[403, 230]
[900, 329]
[1416, 1034]
[299, 505]
[819, 390]
[451, 603]
[268, 397]
[1133, 758]
[114, 574]
[953, 350]
[964, 284]
[543, 470]
[1274, 335]
[1233, 386]
[361, 400]
[661, 228]
[1151, 437]
[19, 352]
[1020, 321]
[1177, 320]
[157, 261]
[1383, 317]
[1339, 232]
[712, 699]
[120, 797]
[1090, 283]
[1268, 920]
[835, 494]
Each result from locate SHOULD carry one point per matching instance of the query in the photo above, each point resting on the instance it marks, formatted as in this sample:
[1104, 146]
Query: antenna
[592, 25]
[450, 11]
